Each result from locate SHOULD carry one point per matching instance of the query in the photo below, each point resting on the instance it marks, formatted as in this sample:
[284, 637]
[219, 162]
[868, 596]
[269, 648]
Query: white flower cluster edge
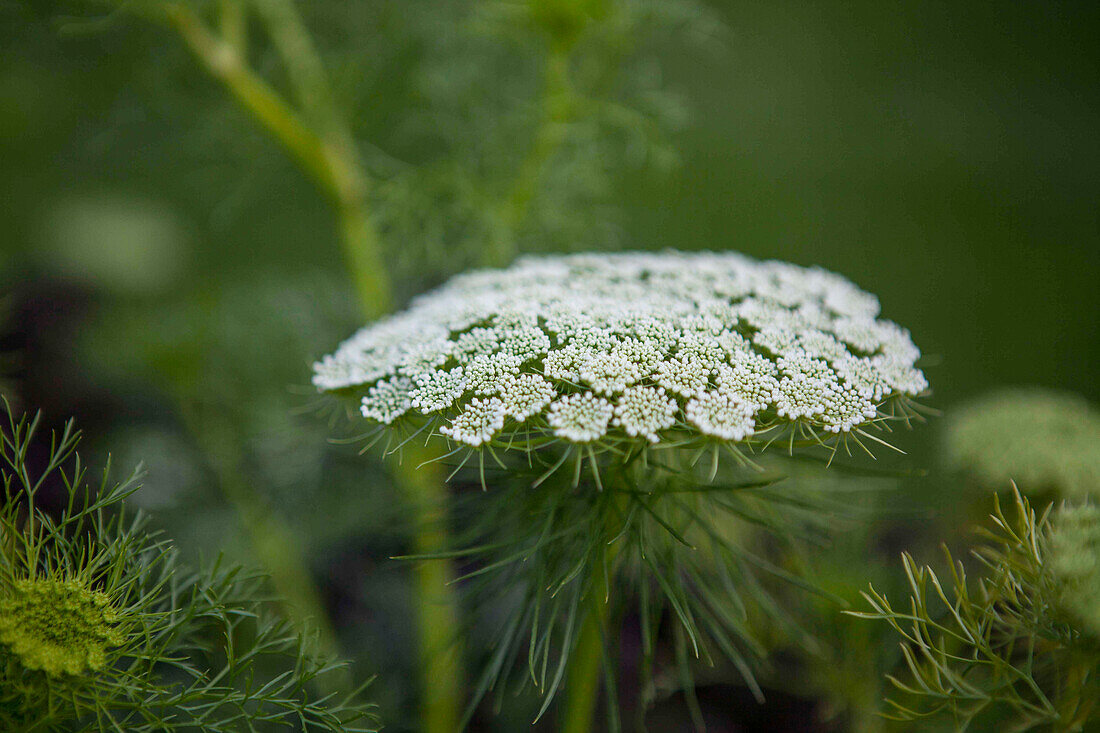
[583, 345]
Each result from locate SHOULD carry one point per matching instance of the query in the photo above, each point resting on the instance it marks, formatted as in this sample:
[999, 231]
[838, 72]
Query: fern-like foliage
[529, 110]
[102, 628]
[1002, 648]
[655, 537]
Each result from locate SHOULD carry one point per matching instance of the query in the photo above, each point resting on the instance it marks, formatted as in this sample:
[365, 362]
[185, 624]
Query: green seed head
[1044, 440]
[58, 626]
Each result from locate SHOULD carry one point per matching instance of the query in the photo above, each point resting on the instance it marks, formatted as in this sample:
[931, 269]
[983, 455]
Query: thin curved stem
[330, 161]
[328, 155]
[557, 104]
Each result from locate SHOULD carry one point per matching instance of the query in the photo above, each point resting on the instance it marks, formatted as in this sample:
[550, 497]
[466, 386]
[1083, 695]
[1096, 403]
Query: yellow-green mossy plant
[611, 404]
[58, 626]
[102, 628]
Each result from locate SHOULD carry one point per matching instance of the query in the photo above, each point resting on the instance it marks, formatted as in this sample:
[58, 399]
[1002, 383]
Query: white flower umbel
[640, 366]
[721, 414]
[586, 347]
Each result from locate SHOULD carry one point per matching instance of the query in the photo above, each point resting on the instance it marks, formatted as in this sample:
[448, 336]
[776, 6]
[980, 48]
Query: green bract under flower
[633, 345]
[58, 626]
[1042, 439]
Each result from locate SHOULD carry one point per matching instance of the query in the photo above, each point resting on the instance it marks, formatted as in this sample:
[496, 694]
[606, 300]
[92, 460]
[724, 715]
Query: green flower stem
[361, 240]
[557, 108]
[583, 681]
[330, 159]
[271, 538]
[437, 607]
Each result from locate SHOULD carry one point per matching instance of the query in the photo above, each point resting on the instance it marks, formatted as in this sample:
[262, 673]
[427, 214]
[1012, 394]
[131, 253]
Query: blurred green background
[167, 274]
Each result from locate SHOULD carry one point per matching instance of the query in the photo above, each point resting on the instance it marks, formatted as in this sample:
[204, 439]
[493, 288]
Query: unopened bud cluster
[1043, 439]
[58, 626]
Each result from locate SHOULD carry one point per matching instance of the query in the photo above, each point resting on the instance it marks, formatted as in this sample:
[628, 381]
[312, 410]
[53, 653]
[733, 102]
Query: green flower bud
[1042, 439]
[58, 626]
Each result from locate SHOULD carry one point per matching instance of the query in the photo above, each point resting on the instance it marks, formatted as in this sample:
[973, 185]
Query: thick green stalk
[437, 608]
[582, 685]
[583, 682]
[329, 157]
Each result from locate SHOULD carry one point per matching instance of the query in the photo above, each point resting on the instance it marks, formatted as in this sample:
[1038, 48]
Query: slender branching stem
[225, 63]
[328, 158]
[319, 141]
[556, 108]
